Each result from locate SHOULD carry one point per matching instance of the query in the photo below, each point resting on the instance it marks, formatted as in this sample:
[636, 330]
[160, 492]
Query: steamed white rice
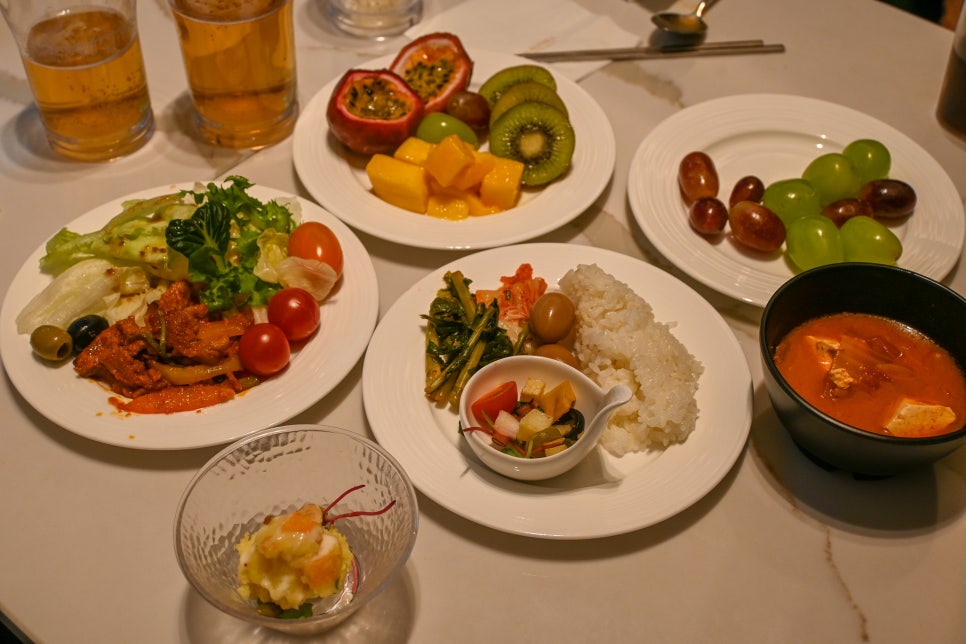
[619, 341]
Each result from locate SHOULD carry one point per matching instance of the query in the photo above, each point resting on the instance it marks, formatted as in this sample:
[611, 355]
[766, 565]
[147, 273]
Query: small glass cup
[84, 65]
[375, 18]
[240, 61]
[951, 110]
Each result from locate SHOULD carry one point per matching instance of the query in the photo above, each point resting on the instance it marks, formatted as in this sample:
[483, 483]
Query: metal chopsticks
[724, 48]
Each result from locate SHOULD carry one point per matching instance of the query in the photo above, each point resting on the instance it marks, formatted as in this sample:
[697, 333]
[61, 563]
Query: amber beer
[240, 61]
[87, 75]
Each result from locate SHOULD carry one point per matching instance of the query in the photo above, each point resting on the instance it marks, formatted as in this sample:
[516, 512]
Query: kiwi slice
[499, 82]
[523, 93]
[537, 135]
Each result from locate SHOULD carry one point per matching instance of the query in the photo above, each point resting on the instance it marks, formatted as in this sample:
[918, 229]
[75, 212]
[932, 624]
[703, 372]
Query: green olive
[552, 316]
[51, 342]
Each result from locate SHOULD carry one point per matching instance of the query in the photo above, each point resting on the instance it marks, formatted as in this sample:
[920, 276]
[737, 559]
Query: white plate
[81, 405]
[775, 137]
[337, 178]
[604, 495]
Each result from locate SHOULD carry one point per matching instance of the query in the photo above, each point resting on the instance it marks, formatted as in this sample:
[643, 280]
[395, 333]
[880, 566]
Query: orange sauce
[859, 368]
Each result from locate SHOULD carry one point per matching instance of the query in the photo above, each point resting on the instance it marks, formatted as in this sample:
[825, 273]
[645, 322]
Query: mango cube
[501, 185]
[399, 183]
[472, 175]
[414, 150]
[449, 159]
[445, 206]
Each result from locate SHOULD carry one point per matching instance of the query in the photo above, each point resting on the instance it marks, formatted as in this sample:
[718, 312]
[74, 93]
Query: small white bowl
[595, 404]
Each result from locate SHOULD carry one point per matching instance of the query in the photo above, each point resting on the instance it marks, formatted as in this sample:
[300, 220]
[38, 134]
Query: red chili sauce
[874, 373]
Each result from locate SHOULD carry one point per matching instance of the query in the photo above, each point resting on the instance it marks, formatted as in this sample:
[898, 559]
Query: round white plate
[604, 495]
[337, 179]
[775, 137]
[81, 405]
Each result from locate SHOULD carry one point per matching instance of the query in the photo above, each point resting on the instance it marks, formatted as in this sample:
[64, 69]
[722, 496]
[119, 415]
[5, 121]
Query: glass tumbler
[84, 65]
[951, 110]
[240, 61]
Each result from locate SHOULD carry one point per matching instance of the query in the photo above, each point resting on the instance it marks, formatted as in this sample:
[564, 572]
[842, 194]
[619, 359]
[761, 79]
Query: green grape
[813, 240]
[866, 240]
[436, 126]
[833, 177]
[870, 158]
[791, 199]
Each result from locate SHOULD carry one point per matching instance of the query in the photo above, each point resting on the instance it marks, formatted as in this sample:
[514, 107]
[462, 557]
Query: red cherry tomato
[490, 404]
[264, 349]
[295, 312]
[315, 240]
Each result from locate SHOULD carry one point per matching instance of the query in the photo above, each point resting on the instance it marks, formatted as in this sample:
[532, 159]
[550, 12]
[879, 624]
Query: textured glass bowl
[276, 471]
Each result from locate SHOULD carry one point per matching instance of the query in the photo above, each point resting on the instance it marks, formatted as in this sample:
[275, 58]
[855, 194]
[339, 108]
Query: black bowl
[896, 293]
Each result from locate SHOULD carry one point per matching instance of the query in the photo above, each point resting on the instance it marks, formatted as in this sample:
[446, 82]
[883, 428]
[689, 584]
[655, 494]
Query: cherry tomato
[295, 312]
[315, 240]
[490, 404]
[264, 349]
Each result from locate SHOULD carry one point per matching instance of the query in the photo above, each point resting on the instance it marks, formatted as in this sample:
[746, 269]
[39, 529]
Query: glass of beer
[84, 65]
[240, 61]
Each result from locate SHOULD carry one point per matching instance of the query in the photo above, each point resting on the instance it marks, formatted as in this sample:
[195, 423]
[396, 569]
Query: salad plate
[337, 179]
[80, 405]
[605, 495]
[775, 136]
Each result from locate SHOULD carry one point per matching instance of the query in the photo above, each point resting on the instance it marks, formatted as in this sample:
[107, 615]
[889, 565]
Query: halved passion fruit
[373, 111]
[436, 67]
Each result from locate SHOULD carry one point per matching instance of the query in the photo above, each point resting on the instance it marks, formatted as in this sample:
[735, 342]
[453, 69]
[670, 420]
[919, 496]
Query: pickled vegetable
[748, 188]
[889, 198]
[756, 227]
[708, 215]
[697, 177]
[558, 352]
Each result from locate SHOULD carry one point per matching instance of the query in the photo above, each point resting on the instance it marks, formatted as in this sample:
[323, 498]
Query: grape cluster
[832, 213]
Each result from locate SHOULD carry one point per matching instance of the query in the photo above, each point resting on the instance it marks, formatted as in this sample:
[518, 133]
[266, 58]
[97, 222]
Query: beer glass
[951, 109]
[84, 65]
[240, 61]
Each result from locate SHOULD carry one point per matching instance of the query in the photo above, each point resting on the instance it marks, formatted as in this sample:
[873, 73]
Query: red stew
[875, 374]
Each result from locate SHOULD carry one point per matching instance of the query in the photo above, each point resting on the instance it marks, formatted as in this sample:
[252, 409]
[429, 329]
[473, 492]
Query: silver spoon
[685, 24]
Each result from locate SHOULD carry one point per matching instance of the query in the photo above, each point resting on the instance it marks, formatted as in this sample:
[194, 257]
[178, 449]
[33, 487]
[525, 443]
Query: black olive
[83, 330]
[573, 421]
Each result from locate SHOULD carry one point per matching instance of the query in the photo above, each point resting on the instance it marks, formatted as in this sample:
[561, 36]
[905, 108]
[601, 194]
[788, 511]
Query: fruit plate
[337, 179]
[604, 495]
[81, 406]
[775, 136]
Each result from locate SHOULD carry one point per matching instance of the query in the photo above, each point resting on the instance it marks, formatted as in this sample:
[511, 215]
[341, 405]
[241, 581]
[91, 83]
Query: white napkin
[517, 26]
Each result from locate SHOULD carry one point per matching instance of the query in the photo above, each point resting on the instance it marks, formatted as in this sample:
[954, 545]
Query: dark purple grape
[748, 188]
[844, 209]
[708, 215]
[756, 227]
[471, 108]
[697, 177]
[889, 198]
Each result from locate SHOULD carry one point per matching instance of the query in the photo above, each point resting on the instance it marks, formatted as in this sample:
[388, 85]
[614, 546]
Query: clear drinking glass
[84, 65]
[240, 61]
[375, 18]
[951, 109]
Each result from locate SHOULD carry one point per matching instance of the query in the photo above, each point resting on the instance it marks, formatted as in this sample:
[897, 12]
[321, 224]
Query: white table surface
[780, 551]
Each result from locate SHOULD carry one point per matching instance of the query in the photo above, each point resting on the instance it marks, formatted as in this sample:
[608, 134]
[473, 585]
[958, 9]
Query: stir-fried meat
[176, 331]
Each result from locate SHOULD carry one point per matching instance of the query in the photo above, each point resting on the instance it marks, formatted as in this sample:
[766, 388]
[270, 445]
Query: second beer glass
[240, 61]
